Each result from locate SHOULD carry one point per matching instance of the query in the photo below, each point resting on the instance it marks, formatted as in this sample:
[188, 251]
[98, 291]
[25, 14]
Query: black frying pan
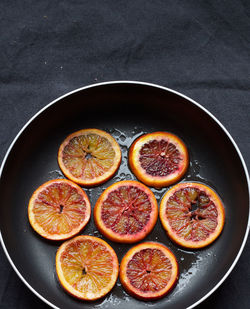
[126, 110]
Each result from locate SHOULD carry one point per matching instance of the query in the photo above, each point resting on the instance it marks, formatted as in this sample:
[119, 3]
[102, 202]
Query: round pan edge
[150, 85]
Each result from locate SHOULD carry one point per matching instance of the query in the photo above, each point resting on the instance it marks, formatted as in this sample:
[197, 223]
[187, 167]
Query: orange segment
[59, 209]
[149, 271]
[158, 159]
[87, 267]
[192, 214]
[126, 211]
[89, 157]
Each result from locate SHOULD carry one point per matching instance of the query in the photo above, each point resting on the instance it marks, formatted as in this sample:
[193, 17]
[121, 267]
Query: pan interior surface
[126, 111]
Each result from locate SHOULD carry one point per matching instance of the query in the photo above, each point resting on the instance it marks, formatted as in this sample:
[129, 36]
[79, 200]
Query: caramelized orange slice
[89, 157]
[59, 209]
[158, 159]
[87, 267]
[149, 271]
[192, 214]
[126, 211]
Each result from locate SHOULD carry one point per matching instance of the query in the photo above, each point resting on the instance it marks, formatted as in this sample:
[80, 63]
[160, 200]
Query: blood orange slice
[126, 211]
[158, 159]
[149, 271]
[192, 214]
[89, 157]
[87, 267]
[59, 209]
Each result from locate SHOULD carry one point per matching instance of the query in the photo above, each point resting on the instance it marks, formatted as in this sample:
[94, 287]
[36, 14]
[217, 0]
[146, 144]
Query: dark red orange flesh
[149, 271]
[158, 159]
[126, 211]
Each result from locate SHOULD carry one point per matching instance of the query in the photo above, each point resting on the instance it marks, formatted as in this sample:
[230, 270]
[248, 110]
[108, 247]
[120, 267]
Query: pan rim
[150, 85]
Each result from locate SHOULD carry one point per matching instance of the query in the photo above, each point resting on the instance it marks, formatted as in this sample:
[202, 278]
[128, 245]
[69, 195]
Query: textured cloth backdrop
[200, 48]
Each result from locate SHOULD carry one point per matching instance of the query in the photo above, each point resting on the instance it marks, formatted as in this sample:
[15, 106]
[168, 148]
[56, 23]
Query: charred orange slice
[59, 209]
[149, 271]
[192, 214]
[126, 211]
[87, 267]
[89, 157]
[158, 159]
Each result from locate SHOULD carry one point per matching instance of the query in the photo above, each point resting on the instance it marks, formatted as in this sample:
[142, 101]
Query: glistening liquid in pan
[191, 263]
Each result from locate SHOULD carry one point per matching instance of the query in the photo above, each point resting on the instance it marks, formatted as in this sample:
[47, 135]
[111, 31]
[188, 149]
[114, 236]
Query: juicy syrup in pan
[190, 262]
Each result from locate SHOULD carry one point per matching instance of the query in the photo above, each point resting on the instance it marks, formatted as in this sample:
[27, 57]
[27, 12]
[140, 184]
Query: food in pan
[87, 267]
[59, 209]
[158, 159]
[192, 214]
[126, 211]
[149, 271]
[89, 157]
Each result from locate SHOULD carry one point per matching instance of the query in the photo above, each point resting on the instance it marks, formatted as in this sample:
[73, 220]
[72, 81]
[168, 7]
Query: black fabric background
[200, 48]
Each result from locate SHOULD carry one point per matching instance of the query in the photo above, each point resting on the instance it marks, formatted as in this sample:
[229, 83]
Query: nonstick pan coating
[126, 110]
